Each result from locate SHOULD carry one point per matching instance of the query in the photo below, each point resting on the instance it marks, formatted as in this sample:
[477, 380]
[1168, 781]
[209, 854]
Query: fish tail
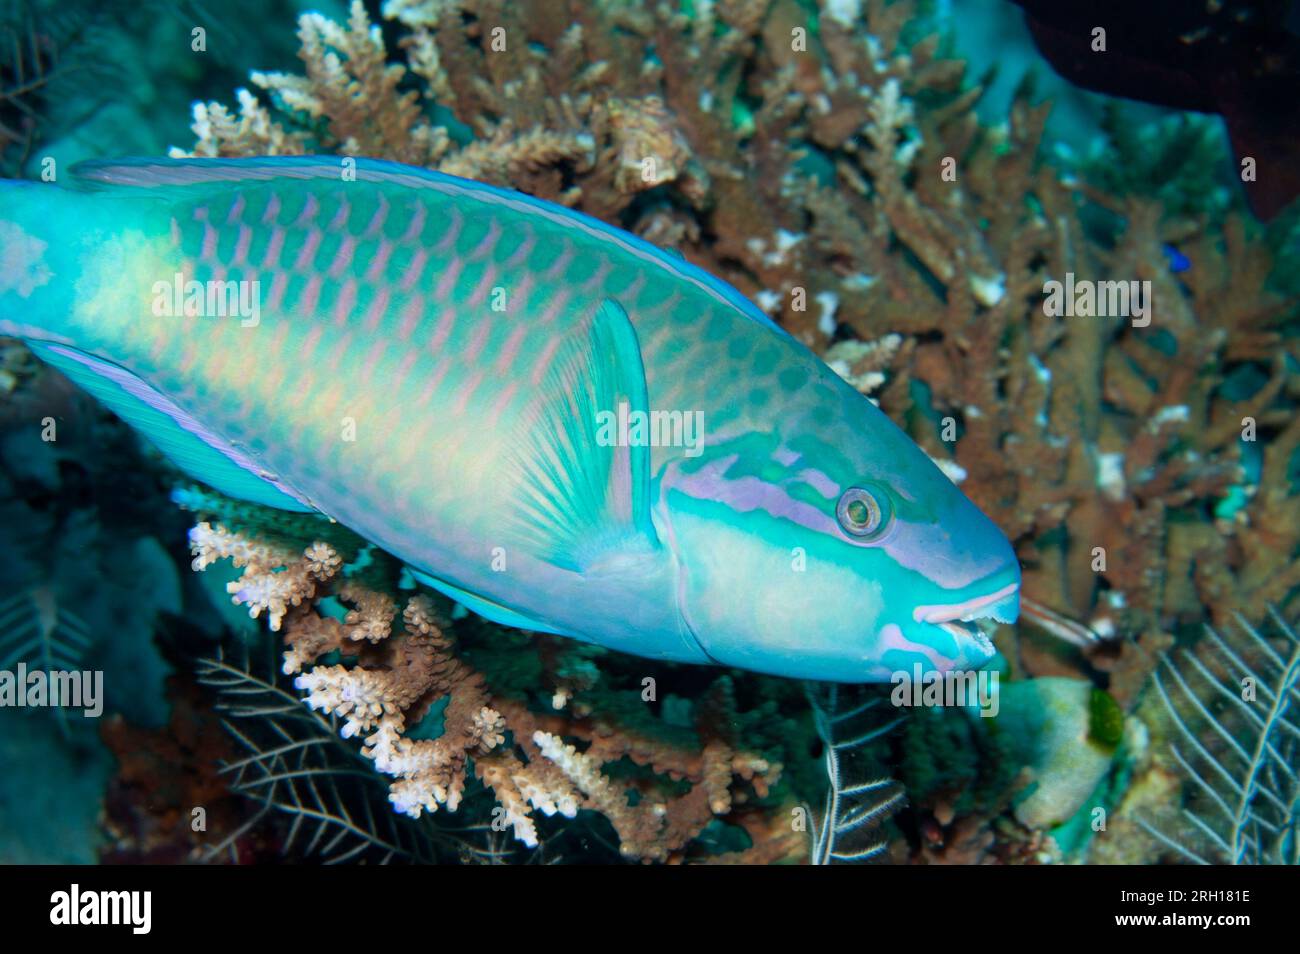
[37, 261]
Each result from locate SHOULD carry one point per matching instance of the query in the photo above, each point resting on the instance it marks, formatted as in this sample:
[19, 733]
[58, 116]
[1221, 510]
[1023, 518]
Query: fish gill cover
[1073, 313]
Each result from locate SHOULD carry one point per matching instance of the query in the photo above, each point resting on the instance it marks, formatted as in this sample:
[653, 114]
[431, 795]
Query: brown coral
[393, 679]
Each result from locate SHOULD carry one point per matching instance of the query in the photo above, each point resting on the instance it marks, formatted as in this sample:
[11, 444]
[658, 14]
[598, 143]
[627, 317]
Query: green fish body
[550, 420]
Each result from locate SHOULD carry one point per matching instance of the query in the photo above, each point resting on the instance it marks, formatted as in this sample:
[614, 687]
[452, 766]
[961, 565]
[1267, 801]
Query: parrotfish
[557, 424]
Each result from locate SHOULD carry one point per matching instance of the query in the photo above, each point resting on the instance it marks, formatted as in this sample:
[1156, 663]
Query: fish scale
[469, 251]
[429, 365]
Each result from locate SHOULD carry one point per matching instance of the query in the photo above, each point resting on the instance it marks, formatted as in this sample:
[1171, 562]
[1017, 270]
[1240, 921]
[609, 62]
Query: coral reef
[831, 165]
[828, 162]
[163, 776]
[428, 718]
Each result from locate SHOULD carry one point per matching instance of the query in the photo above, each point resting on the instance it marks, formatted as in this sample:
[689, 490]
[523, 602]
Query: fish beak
[971, 621]
[1002, 604]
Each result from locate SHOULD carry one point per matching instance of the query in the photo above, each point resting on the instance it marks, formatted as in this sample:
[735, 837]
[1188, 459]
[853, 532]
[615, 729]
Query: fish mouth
[966, 621]
[1001, 605]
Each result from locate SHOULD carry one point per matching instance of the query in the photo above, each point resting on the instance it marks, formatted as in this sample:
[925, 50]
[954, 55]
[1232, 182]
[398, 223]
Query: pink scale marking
[519, 295]
[308, 213]
[543, 362]
[466, 391]
[278, 338]
[309, 343]
[336, 356]
[216, 363]
[409, 357]
[487, 242]
[520, 255]
[560, 265]
[346, 301]
[306, 383]
[274, 246]
[414, 269]
[478, 339]
[376, 310]
[343, 257]
[310, 297]
[503, 401]
[510, 350]
[452, 233]
[373, 356]
[448, 278]
[632, 291]
[209, 251]
[272, 211]
[446, 321]
[380, 262]
[279, 282]
[598, 279]
[435, 379]
[416, 226]
[557, 305]
[485, 285]
[411, 314]
[341, 216]
[241, 245]
[161, 344]
[307, 253]
[377, 220]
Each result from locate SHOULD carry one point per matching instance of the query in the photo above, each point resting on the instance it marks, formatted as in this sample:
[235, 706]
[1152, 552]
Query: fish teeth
[974, 631]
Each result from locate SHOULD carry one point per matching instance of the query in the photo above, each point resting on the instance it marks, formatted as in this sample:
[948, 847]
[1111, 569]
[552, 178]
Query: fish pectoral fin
[184, 441]
[488, 609]
[581, 471]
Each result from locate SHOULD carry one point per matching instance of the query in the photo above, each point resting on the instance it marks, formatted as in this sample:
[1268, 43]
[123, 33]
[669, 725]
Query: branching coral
[394, 678]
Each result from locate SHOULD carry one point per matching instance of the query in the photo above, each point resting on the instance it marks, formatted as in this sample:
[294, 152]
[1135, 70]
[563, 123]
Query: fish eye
[862, 512]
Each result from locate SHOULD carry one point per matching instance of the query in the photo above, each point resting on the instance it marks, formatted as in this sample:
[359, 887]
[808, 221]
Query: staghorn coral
[274, 579]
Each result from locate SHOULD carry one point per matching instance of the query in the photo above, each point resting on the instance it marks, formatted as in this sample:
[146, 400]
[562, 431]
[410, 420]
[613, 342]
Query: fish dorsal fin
[181, 439]
[583, 490]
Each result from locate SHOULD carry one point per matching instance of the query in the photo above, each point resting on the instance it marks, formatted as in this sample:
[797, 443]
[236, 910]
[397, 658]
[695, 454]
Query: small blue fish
[1178, 262]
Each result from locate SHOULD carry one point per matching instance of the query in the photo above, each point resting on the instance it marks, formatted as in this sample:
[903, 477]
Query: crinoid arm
[858, 798]
[1232, 705]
